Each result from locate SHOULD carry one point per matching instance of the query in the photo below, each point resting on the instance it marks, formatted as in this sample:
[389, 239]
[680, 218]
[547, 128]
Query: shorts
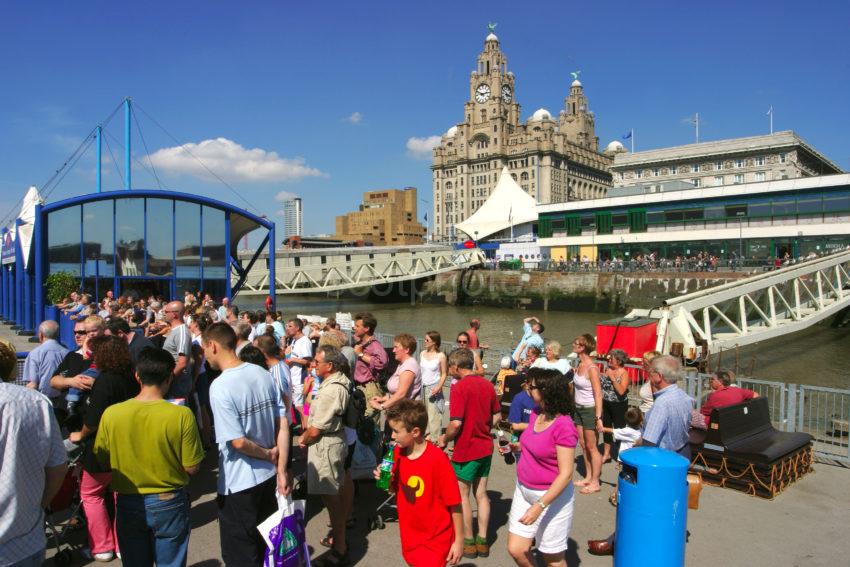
[552, 528]
[469, 471]
[325, 465]
[586, 417]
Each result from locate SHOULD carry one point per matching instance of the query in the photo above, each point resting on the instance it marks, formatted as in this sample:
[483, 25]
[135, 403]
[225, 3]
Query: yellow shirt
[148, 444]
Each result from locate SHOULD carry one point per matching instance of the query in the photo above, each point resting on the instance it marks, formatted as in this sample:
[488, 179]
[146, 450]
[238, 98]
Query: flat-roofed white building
[753, 159]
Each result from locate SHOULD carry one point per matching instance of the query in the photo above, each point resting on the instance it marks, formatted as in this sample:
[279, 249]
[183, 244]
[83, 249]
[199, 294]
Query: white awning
[27, 217]
[508, 205]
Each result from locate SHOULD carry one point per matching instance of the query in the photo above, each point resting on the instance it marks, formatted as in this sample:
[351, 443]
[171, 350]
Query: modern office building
[772, 157]
[754, 220]
[293, 217]
[553, 158]
[387, 217]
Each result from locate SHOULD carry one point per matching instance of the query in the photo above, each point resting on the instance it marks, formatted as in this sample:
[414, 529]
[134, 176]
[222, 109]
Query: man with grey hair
[326, 445]
[667, 422]
[179, 344]
[42, 362]
[243, 335]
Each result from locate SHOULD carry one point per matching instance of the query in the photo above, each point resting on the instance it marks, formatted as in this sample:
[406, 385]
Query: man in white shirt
[298, 356]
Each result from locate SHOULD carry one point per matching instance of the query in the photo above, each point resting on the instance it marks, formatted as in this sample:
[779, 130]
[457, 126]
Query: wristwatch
[542, 505]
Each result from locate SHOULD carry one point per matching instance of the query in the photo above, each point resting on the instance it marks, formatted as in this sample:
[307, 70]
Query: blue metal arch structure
[24, 303]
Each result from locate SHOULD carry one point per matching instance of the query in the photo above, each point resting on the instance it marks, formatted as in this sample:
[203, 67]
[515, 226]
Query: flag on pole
[510, 214]
[627, 135]
[426, 217]
[770, 110]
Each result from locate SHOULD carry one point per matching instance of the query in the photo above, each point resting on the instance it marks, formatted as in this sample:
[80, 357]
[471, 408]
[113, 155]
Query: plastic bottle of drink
[514, 443]
[505, 448]
[386, 469]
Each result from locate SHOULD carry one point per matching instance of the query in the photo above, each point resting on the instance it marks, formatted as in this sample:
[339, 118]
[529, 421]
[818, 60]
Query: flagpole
[770, 114]
[696, 122]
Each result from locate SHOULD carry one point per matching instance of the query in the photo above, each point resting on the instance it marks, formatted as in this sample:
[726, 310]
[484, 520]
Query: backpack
[355, 414]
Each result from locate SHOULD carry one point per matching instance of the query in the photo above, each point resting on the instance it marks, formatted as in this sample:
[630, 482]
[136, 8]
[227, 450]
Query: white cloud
[232, 162]
[284, 196]
[354, 118]
[420, 148]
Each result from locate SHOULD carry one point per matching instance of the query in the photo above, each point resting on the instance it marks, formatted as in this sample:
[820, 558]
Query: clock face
[506, 94]
[482, 93]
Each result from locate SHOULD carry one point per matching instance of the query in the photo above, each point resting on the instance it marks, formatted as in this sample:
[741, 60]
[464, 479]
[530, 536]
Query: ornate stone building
[387, 217]
[553, 159]
[770, 157]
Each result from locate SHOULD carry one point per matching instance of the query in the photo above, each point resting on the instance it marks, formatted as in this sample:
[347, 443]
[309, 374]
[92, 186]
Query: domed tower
[492, 102]
[576, 120]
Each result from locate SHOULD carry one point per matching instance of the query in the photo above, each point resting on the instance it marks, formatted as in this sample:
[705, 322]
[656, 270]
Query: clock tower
[553, 159]
[492, 108]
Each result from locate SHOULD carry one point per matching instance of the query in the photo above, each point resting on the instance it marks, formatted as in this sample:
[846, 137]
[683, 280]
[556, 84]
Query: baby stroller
[67, 500]
[390, 511]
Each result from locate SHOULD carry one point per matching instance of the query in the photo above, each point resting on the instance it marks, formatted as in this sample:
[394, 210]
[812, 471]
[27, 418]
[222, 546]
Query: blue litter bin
[652, 509]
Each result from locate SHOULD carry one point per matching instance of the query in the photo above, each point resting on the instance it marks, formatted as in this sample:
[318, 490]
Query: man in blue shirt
[532, 329]
[666, 424]
[253, 441]
[668, 420]
[42, 362]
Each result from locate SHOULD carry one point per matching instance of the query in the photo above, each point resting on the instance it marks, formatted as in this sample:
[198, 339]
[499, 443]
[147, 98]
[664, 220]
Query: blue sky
[322, 99]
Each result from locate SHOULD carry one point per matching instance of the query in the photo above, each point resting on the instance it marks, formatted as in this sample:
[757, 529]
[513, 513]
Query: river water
[815, 356]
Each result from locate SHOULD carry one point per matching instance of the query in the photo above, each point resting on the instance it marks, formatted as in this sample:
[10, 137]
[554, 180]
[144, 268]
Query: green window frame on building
[604, 224]
[637, 220]
[573, 225]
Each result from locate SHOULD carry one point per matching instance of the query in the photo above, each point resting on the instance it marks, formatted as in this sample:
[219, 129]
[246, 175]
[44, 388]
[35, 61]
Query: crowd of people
[150, 386]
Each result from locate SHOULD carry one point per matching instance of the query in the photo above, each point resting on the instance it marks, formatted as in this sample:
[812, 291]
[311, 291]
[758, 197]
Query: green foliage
[59, 286]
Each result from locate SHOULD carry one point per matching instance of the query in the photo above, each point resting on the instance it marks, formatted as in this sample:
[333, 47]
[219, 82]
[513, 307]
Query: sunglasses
[463, 342]
[79, 332]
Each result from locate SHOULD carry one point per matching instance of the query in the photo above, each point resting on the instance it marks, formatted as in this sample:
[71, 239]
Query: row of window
[637, 219]
[718, 166]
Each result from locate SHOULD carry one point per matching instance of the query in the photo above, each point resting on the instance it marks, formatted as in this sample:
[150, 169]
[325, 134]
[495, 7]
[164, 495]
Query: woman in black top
[114, 384]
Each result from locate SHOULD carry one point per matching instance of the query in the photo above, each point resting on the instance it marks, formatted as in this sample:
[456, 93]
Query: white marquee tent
[507, 206]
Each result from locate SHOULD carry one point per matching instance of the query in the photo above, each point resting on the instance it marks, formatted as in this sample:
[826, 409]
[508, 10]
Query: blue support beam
[272, 262]
[228, 289]
[127, 164]
[19, 278]
[98, 152]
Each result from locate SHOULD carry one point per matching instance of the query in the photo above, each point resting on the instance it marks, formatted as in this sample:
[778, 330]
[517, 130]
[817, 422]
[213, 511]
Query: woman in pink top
[406, 381]
[542, 506]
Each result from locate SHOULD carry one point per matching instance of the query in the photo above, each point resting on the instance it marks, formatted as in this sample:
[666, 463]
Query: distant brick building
[386, 217]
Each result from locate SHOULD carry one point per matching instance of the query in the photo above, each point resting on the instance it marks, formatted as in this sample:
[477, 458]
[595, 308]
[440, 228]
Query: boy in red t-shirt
[427, 493]
[475, 410]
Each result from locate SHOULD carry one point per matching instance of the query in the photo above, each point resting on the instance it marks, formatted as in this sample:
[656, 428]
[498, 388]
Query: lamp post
[740, 215]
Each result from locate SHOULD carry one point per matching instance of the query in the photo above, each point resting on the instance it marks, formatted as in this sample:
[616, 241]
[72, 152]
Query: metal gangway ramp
[756, 308]
[339, 269]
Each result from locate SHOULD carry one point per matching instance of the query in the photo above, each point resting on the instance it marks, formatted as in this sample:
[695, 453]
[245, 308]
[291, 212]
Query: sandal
[613, 499]
[328, 540]
[588, 490]
[339, 559]
[349, 524]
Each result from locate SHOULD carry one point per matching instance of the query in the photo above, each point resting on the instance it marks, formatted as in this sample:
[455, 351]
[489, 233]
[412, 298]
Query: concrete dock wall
[591, 291]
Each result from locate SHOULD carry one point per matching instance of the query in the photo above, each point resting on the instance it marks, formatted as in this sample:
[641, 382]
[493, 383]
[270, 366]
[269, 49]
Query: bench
[742, 450]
